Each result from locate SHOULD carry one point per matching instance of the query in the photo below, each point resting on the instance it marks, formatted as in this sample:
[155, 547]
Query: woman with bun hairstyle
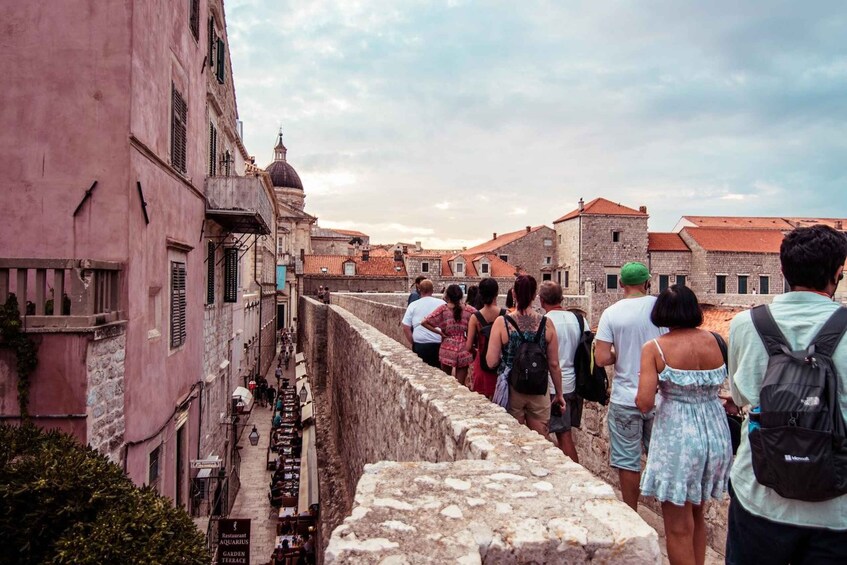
[451, 322]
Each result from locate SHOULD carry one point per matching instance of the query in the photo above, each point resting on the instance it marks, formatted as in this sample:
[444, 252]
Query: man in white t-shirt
[567, 333]
[424, 342]
[626, 325]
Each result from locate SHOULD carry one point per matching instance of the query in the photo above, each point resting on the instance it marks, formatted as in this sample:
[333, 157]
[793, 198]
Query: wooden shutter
[210, 274]
[221, 60]
[179, 119]
[194, 19]
[177, 303]
[212, 38]
[231, 274]
[213, 150]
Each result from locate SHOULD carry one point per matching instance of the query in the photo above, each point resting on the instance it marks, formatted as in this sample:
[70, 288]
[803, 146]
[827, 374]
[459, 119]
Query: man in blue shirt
[763, 526]
[416, 290]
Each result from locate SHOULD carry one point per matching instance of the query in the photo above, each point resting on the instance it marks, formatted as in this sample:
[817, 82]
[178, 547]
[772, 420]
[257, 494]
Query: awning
[308, 472]
[244, 398]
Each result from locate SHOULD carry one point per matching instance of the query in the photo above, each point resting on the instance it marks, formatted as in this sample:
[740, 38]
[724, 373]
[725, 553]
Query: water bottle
[753, 417]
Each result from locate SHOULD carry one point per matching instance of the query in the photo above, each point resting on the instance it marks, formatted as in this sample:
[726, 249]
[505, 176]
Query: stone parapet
[439, 473]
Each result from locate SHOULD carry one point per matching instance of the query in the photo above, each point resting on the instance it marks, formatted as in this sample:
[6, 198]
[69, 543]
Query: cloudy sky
[447, 120]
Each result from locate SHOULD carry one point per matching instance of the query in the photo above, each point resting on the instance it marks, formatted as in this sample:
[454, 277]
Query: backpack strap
[542, 326]
[772, 337]
[503, 311]
[480, 318]
[722, 346]
[830, 334]
[510, 320]
[581, 323]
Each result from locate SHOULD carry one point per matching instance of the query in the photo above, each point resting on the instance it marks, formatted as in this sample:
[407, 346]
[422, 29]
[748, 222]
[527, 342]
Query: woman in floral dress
[690, 452]
[451, 321]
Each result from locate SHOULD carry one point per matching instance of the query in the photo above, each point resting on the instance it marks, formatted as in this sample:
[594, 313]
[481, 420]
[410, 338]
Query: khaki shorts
[523, 406]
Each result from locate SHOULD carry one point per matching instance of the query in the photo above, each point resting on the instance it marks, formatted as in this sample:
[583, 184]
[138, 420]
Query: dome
[282, 173]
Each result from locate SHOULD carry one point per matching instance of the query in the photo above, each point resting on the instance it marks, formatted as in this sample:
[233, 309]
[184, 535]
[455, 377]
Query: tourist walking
[507, 335]
[424, 342]
[690, 449]
[626, 325]
[479, 332]
[765, 527]
[568, 334]
[416, 291]
[451, 321]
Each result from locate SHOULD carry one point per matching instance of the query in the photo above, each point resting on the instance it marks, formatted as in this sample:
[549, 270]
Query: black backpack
[485, 332]
[799, 449]
[529, 368]
[592, 382]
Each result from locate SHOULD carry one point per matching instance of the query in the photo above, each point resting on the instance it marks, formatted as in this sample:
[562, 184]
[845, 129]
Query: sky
[448, 120]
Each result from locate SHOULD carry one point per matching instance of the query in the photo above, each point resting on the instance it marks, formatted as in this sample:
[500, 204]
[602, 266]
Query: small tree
[62, 502]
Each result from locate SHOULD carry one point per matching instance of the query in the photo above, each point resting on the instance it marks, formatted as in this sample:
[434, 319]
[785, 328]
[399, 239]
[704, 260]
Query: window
[227, 163]
[210, 58]
[483, 268]
[349, 269]
[720, 284]
[153, 468]
[548, 260]
[764, 284]
[664, 282]
[213, 149]
[179, 120]
[546, 276]
[424, 267]
[177, 304]
[154, 307]
[616, 236]
[560, 238]
[280, 245]
[460, 267]
[210, 273]
[742, 284]
[504, 258]
[567, 279]
[611, 282]
[220, 60]
[231, 274]
[680, 280]
[548, 242]
[194, 19]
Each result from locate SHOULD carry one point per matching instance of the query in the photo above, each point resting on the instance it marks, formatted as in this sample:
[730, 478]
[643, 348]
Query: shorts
[428, 352]
[571, 416]
[629, 430]
[523, 406]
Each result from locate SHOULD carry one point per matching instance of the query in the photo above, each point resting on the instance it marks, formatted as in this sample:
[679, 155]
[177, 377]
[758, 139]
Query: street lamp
[304, 394]
[254, 436]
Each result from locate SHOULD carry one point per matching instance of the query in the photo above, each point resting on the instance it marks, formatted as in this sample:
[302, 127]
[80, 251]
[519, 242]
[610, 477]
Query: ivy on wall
[13, 338]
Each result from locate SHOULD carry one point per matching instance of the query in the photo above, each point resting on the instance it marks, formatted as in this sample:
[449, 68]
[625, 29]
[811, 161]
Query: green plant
[25, 349]
[65, 503]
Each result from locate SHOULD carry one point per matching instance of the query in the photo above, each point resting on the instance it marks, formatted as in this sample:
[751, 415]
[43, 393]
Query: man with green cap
[626, 325]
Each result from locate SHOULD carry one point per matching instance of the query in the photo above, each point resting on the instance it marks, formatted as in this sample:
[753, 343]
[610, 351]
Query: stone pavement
[252, 500]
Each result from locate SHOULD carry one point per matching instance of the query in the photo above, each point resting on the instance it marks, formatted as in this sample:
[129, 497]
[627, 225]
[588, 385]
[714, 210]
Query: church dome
[282, 173]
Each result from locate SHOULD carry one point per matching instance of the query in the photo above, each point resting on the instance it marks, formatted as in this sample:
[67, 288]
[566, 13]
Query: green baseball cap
[634, 273]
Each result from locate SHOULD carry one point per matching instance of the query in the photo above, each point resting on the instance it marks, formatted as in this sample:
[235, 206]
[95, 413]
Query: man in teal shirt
[763, 526]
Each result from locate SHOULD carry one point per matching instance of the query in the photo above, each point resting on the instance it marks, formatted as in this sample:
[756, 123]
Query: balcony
[239, 204]
[62, 293]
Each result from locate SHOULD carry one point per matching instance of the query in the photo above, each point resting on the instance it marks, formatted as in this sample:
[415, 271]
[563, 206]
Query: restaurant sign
[234, 541]
[206, 463]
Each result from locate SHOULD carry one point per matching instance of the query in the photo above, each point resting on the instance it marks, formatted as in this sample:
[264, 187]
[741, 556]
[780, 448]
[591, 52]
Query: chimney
[418, 246]
[581, 204]
[528, 229]
[642, 209]
[366, 253]
[839, 225]
[494, 235]
[398, 254]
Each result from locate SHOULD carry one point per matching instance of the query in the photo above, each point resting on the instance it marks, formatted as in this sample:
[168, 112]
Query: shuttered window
[194, 18]
[179, 120]
[177, 303]
[213, 150]
[210, 274]
[231, 274]
[212, 38]
[221, 60]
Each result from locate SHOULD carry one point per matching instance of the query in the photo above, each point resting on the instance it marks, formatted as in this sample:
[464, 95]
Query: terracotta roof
[717, 318]
[601, 207]
[381, 252]
[500, 241]
[657, 241]
[328, 233]
[334, 264]
[738, 222]
[353, 233]
[497, 268]
[736, 240]
[837, 223]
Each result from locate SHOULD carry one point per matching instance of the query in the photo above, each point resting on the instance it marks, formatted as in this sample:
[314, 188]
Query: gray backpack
[800, 448]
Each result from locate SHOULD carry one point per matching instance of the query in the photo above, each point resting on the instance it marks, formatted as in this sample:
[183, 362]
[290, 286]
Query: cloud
[391, 110]
[443, 205]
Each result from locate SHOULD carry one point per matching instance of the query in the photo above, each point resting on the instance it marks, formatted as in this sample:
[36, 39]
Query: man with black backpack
[788, 362]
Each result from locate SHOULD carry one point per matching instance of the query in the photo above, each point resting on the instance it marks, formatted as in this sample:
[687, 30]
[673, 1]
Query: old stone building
[361, 273]
[669, 260]
[327, 241]
[532, 249]
[466, 269]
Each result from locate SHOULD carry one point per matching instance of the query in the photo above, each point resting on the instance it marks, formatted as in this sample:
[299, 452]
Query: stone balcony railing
[239, 204]
[62, 293]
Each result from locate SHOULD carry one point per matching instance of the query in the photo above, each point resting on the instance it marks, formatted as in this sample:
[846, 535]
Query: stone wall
[600, 253]
[671, 263]
[463, 482]
[529, 252]
[104, 363]
[353, 284]
[386, 318]
[567, 239]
